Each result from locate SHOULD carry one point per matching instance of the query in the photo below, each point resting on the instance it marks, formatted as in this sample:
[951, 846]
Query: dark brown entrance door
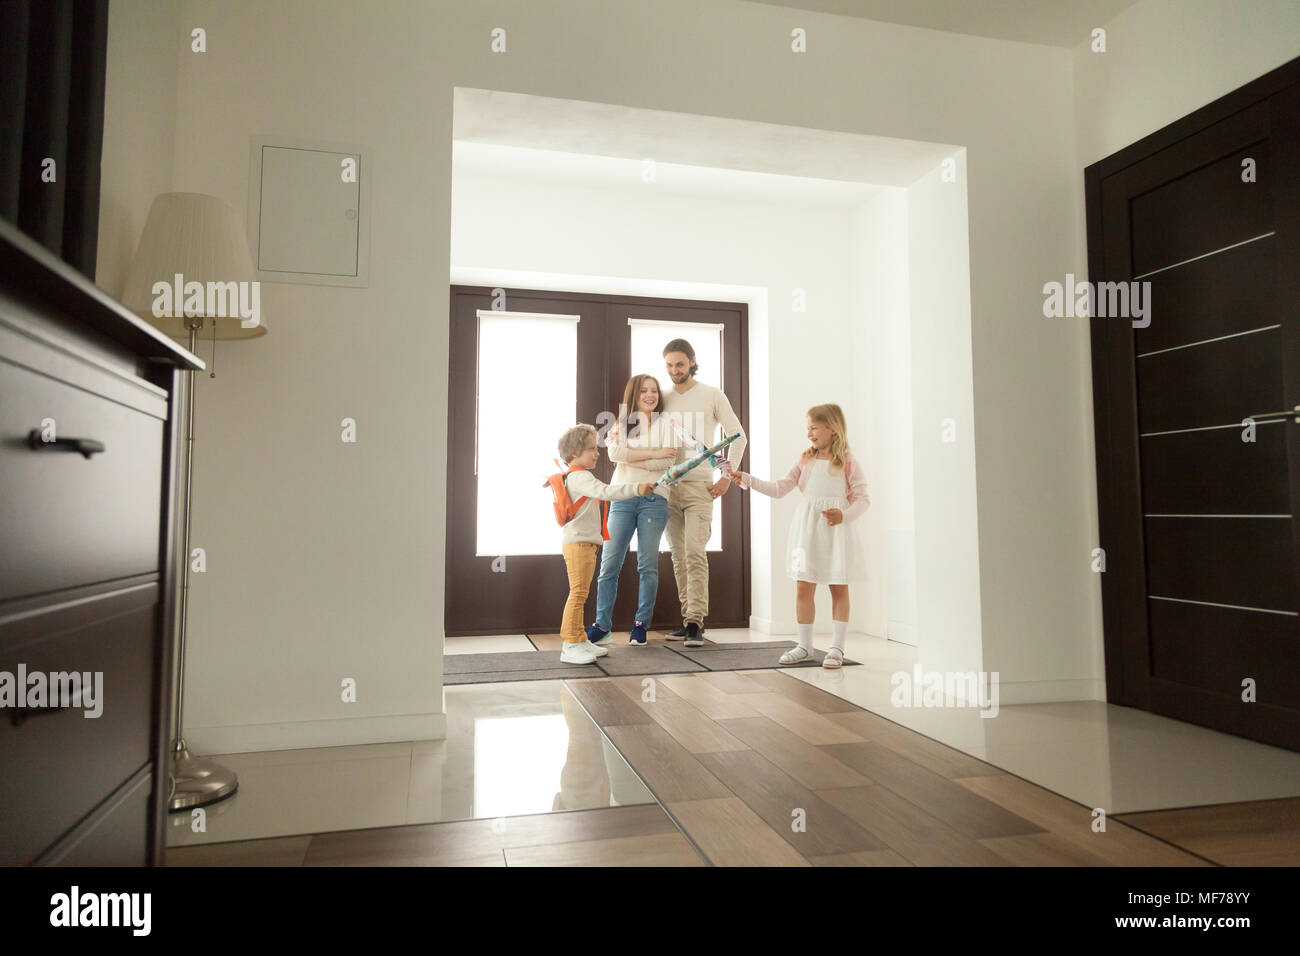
[1199, 509]
[525, 593]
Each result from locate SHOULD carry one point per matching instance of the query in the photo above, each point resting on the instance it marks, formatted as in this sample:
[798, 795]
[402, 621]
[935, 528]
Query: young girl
[826, 545]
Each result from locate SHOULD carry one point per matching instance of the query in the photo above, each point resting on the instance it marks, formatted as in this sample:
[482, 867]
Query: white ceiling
[1063, 23]
[689, 150]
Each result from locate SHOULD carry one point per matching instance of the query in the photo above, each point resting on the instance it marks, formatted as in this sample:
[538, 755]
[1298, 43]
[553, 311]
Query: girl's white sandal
[834, 658]
[795, 654]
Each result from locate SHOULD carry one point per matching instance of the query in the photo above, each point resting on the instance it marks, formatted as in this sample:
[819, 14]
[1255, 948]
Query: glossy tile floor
[511, 749]
[528, 748]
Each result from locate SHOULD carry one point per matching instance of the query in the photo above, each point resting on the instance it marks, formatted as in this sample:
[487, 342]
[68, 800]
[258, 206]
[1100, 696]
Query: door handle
[83, 446]
[1275, 415]
[19, 715]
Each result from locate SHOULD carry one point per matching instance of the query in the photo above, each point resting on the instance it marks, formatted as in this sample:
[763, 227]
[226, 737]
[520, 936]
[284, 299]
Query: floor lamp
[193, 238]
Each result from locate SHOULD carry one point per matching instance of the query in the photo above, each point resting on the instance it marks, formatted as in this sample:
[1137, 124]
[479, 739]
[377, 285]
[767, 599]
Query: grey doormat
[546, 665]
[751, 657]
[621, 661]
[505, 666]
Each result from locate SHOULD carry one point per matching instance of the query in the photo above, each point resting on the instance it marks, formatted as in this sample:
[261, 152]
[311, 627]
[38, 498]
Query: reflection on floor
[511, 749]
[756, 741]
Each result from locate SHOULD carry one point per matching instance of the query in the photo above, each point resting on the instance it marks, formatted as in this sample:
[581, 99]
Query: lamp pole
[196, 781]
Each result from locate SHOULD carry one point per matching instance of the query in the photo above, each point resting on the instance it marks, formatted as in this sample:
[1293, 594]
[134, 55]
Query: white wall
[945, 427]
[325, 560]
[523, 223]
[1167, 58]
[882, 347]
[144, 42]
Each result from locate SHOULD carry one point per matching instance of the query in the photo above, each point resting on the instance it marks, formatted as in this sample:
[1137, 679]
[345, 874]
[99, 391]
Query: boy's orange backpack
[566, 507]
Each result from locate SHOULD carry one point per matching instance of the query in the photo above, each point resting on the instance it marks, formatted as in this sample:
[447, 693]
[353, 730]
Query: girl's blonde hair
[832, 416]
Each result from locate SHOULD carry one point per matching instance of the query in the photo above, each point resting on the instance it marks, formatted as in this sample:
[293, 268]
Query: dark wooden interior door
[529, 598]
[729, 599]
[1198, 524]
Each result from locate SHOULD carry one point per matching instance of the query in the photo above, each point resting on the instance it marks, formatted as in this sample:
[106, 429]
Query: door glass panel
[648, 338]
[527, 398]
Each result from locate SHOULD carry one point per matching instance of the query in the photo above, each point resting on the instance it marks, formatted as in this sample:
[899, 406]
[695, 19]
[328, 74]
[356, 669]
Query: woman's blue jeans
[647, 517]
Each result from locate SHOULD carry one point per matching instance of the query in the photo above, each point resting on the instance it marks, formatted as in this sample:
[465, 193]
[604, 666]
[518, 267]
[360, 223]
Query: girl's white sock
[840, 628]
[805, 636]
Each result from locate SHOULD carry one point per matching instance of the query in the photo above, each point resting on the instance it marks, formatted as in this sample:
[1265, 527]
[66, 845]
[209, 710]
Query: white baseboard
[1049, 691]
[299, 735]
[902, 633]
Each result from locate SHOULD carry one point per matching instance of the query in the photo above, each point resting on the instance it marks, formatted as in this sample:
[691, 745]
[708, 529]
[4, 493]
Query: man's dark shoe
[676, 635]
[694, 637]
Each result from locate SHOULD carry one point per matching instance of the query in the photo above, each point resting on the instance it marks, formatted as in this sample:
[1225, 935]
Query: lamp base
[197, 781]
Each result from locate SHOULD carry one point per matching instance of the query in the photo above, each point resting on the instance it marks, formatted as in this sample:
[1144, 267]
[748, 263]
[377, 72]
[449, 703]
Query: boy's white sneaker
[597, 649]
[578, 652]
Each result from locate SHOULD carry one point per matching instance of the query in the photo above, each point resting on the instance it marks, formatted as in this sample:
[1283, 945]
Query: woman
[641, 444]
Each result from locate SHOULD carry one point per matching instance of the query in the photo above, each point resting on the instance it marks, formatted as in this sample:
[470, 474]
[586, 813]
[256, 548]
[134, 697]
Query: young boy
[581, 537]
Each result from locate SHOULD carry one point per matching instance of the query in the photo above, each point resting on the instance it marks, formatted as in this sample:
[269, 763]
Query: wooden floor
[613, 836]
[1259, 833]
[759, 768]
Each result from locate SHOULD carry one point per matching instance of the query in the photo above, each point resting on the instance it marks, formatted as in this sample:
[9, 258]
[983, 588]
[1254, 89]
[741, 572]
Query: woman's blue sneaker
[638, 636]
[597, 636]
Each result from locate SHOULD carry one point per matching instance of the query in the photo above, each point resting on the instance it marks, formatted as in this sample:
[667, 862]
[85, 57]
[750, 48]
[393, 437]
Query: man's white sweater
[700, 410]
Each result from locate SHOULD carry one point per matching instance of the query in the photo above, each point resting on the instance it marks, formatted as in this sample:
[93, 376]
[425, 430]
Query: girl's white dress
[818, 552]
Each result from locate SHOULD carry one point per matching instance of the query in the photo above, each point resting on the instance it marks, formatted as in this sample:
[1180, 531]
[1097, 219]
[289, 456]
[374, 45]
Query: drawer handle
[85, 446]
[18, 715]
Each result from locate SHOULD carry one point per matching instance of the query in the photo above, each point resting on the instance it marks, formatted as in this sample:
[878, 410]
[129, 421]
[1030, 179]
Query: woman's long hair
[630, 422]
[832, 416]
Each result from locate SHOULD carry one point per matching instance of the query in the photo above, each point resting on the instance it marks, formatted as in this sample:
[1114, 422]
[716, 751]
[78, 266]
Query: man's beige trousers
[690, 522]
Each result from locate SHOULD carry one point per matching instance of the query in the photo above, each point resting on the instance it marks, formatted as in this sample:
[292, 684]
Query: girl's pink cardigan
[855, 484]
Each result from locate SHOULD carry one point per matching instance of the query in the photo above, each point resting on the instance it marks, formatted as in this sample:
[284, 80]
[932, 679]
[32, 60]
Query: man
[700, 409]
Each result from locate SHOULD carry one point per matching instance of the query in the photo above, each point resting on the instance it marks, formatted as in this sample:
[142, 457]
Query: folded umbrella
[681, 469]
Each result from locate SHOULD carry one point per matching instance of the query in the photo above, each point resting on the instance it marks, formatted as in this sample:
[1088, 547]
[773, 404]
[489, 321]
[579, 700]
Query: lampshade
[200, 239]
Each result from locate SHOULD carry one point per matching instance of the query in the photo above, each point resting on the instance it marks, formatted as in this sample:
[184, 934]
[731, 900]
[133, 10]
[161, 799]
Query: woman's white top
[659, 435]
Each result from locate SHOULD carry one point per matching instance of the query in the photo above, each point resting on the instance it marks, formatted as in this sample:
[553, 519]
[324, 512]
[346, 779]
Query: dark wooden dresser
[87, 563]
